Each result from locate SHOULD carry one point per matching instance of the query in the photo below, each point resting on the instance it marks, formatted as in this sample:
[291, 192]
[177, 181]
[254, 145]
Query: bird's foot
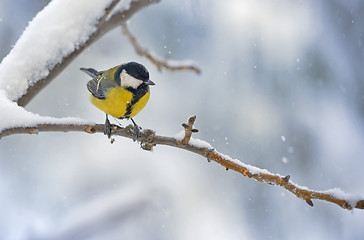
[107, 130]
[136, 130]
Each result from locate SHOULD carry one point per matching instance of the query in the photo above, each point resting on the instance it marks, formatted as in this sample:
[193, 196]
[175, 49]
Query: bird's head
[132, 75]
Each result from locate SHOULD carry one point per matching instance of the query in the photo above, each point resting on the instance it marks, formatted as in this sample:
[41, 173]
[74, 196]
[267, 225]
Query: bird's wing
[91, 72]
[100, 85]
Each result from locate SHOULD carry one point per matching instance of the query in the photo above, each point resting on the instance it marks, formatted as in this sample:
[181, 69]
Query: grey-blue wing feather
[91, 72]
[99, 84]
[93, 85]
[95, 89]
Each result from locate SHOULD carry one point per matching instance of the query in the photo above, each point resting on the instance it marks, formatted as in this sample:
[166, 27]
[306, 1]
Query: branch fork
[159, 62]
[189, 130]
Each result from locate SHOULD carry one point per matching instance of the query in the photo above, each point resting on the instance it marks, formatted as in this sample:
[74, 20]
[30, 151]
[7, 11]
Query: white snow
[336, 192]
[202, 144]
[55, 32]
[285, 160]
[252, 169]
[60, 28]
[300, 187]
[352, 199]
[123, 5]
[15, 116]
[193, 141]
[179, 136]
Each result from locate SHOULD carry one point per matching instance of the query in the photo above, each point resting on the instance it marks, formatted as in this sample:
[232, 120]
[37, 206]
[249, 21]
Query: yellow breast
[138, 106]
[117, 100]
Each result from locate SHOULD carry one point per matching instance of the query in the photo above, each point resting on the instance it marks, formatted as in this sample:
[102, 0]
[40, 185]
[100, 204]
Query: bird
[121, 91]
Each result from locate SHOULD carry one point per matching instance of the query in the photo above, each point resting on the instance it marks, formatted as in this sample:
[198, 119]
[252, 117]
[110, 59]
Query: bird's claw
[107, 130]
[136, 130]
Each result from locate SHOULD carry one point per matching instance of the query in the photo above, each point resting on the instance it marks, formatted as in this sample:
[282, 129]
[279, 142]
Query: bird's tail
[91, 72]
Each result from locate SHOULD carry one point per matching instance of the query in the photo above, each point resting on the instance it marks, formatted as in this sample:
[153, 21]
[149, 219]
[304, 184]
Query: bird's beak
[149, 82]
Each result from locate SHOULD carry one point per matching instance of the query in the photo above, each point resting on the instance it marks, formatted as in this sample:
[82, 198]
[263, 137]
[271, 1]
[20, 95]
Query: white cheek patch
[129, 81]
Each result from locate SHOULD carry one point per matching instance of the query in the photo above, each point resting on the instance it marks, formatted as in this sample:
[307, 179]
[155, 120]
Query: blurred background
[281, 88]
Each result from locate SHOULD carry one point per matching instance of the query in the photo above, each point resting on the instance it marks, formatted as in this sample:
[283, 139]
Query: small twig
[189, 130]
[160, 62]
[149, 139]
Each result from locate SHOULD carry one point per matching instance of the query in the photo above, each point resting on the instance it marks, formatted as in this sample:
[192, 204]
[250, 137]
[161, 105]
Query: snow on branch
[54, 38]
[148, 139]
[15, 118]
[160, 62]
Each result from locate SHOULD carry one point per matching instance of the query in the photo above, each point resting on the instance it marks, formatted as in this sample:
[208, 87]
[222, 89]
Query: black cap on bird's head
[135, 70]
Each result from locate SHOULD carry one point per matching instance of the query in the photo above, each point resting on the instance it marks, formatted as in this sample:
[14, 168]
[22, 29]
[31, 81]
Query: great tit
[121, 91]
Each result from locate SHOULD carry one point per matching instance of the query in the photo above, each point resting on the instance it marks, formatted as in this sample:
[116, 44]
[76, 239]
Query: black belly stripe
[137, 95]
[129, 108]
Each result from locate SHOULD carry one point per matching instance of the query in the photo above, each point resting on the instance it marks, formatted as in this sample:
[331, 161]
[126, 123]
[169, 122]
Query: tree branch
[105, 24]
[160, 62]
[148, 139]
[189, 130]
